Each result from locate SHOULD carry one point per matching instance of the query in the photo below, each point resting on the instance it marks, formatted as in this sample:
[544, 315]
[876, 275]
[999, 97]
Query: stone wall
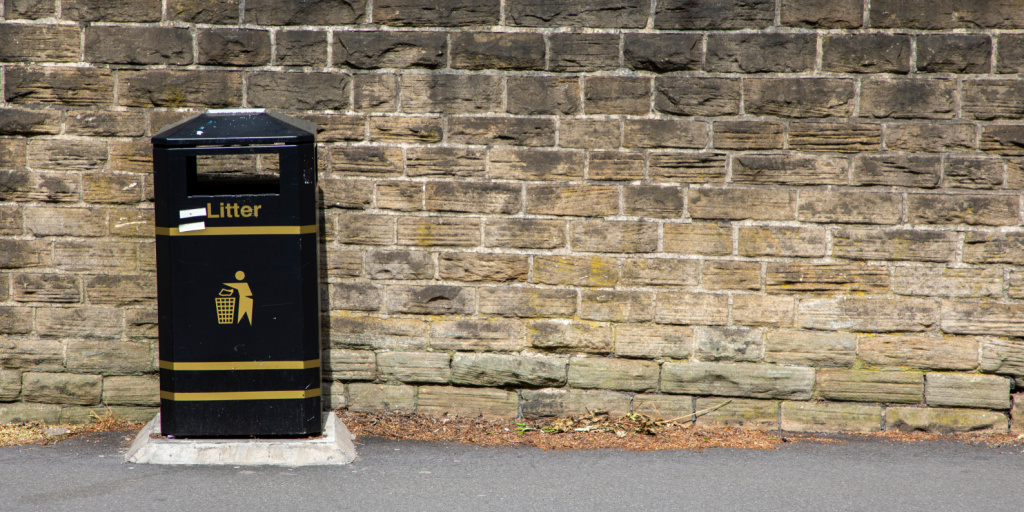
[536, 208]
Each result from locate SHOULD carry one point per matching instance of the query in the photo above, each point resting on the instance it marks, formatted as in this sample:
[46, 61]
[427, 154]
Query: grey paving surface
[397, 476]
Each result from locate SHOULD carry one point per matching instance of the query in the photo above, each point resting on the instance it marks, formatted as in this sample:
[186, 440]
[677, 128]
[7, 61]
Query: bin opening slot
[233, 174]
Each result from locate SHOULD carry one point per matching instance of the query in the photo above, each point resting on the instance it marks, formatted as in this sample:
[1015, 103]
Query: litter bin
[238, 275]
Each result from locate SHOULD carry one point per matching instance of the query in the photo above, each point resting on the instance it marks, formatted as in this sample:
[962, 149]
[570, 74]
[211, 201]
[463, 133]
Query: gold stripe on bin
[240, 230]
[239, 365]
[240, 395]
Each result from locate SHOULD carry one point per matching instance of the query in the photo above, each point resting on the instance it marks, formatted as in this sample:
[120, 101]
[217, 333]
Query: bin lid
[225, 127]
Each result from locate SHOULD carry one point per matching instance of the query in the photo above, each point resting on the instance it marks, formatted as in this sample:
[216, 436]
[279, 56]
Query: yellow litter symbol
[226, 302]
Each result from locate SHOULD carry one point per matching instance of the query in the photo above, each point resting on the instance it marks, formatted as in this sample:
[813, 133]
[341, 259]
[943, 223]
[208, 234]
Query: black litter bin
[238, 275]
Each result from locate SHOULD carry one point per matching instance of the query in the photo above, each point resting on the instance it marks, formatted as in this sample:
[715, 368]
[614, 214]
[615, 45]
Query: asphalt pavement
[87, 474]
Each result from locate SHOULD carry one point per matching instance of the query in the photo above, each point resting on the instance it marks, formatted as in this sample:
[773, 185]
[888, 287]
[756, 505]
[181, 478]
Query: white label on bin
[191, 226]
[194, 212]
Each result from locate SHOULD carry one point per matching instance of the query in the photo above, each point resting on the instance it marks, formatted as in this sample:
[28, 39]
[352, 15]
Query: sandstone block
[233, 47]
[301, 91]
[763, 310]
[600, 14]
[567, 336]
[467, 401]
[662, 53]
[64, 156]
[867, 315]
[866, 53]
[61, 86]
[345, 364]
[332, 395]
[898, 244]
[97, 10]
[739, 413]
[451, 94]
[399, 265]
[810, 348]
[53, 221]
[966, 390]
[979, 173]
[547, 403]
[444, 161]
[141, 324]
[88, 321]
[799, 97]
[846, 207]
[15, 320]
[747, 135]
[422, 129]
[930, 137]
[659, 272]
[734, 379]
[964, 209]
[524, 233]
[62, 388]
[653, 341]
[849, 277]
[685, 167]
[695, 15]
[941, 281]
[502, 131]
[928, 353]
[378, 333]
[39, 43]
[870, 386]
[993, 99]
[790, 169]
[369, 397]
[742, 203]
[691, 308]
[981, 247]
[708, 238]
[532, 95]
[697, 96]
[142, 390]
[379, 49]
[781, 241]
[430, 300]
[761, 53]
[840, 137]
[366, 230]
[731, 275]
[29, 10]
[10, 384]
[25, 253]
[495, 370]
[534, 164]
[954, 53]
[617, 95]
[740, 344]
[21, 412]
[822, 13]
[663, 407]
[495, 268]
[614, 236]
[982, 318]
[576, 52]
[927, 15]
[121, 290]
[590, 133]
[439, 231]
[1017, 414]
[42, 355]
[316, 12]
[1004, 140]
[664, 133]
[574, 200]
[176, 89]
[909, 98]
[367, 161]
[414, 367]
[527, 302]
[356, 296]
[575, 271]
[616, 374]
[24, 121]
[943, 420]
[478, 335]
[1004, 356]
[109, 358]
[449, 13]
[302, 48]
[497, 50]
[830, 417]
[473, 197]
[112, 188]
[617, 306]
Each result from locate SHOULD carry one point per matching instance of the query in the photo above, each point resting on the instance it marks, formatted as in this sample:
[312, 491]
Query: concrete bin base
[334, 447]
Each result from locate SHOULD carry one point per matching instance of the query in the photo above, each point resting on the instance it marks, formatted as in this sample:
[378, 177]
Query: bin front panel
[238, 291]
